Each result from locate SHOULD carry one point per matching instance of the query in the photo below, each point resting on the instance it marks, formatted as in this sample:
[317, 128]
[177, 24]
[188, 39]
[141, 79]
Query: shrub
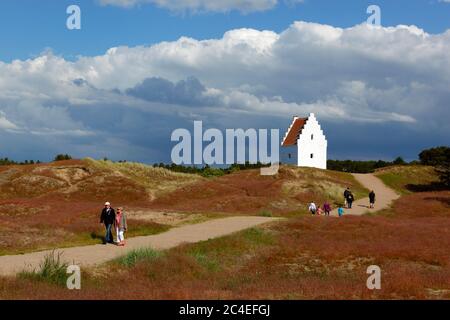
[265, 213]
[139, 255]
[399, 161]
[52, 270]
[208, 262]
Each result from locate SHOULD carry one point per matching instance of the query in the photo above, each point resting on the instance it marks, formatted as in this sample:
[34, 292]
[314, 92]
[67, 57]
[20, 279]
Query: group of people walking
[117, 220]
[348, 203]
[317, 210]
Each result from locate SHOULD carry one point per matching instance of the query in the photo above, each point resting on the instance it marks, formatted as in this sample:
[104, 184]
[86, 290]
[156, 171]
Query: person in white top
[312, 208]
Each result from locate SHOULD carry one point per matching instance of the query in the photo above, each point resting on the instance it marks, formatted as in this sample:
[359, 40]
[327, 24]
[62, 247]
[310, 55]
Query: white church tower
[308, 143]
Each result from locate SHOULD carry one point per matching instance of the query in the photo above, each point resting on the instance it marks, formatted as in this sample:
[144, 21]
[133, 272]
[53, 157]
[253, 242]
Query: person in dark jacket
[372, 199]
[350, 199]
[108, 217]
[346, 193]
[327, 208]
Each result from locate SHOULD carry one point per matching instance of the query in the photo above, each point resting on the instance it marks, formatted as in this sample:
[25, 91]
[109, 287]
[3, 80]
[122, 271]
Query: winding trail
[97, 254]
[384, 196]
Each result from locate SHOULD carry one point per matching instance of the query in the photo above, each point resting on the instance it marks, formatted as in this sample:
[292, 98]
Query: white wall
[317, 146]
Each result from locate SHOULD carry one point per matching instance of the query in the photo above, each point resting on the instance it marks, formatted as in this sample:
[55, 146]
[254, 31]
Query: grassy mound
[157, 181]
[407, 179]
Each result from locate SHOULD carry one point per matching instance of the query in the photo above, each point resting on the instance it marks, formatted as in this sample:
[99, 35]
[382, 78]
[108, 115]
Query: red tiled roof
[294, 132]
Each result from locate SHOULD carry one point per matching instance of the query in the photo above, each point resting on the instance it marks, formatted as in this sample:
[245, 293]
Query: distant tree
[356, 166]
[61, 157]
[399, 161]
[443, 169]
[434, 156]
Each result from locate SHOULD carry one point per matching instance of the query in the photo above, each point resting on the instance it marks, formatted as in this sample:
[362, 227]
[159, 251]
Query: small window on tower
[312, 155]
[312, 137]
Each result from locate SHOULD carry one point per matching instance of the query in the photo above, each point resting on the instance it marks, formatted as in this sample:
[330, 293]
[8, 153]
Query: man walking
[108, 217]
[372, 199]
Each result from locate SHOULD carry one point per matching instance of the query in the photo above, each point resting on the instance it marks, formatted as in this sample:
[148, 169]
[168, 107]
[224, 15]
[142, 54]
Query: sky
[138, 69]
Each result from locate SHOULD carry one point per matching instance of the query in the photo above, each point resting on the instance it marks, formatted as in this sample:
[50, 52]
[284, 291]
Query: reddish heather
[306, 258]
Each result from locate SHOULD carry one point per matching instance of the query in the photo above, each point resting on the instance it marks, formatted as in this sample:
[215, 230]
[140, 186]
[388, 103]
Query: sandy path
[383, 199]
[97, 254]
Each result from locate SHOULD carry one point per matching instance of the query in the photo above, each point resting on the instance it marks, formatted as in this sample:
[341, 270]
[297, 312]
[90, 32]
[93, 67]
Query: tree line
[8, 162]
[438, 157]
[364, 166]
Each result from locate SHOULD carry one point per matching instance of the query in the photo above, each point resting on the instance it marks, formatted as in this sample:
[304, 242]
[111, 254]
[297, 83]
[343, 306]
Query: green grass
[228, 249]
[211, 264]
[140, 255]
[403, 178]
[52, 270]
[266, 213]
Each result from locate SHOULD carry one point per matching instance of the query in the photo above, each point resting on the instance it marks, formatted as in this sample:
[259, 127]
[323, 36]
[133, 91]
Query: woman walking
[120, 224]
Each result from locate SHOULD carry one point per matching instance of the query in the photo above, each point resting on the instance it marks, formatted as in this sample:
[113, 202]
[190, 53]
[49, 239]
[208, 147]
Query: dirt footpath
[97, 254]
[383, 199]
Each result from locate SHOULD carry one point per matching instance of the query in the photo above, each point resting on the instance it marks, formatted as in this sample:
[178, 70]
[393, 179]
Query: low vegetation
[139, 256]
[408, 179]
[156, 180]
[301, 258]
[52, 270]
[287, 193]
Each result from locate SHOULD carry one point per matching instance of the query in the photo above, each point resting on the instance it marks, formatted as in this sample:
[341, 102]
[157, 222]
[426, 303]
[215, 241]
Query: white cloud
[398, 75]
[5, 124]
[199, 5]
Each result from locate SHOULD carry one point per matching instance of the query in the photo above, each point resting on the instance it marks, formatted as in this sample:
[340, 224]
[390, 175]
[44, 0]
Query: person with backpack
[312, 208]
[372, 199]
[346, 193]
[350, 199]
